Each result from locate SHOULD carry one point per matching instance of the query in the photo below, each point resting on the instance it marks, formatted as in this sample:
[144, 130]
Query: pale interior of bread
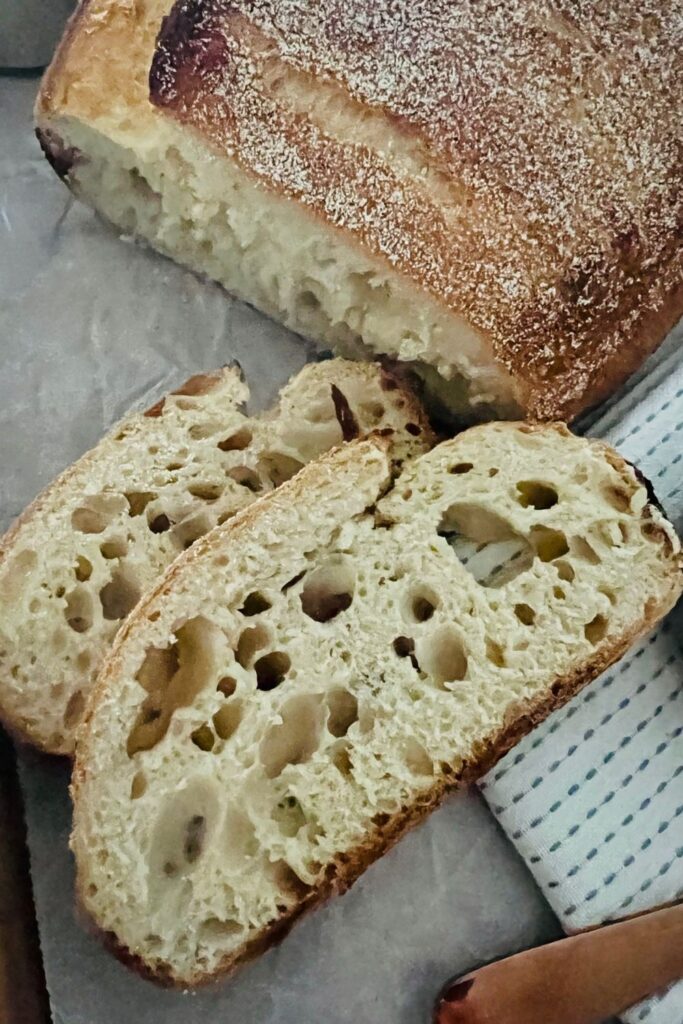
[208, 214]
[332, 657]
[101, 535]
[160, 182]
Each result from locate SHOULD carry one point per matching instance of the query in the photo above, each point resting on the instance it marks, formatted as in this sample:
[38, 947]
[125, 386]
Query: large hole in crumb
[565, 571]
[237, 441]
[279, 467]
[97, 511]
[535, 494]
[341, 759]
[307, 303]
[199, 431]
[416, 758]
[115, 547]
[442, 655]
[549, 544]
[420, 604]
[246, 477]
[74, 709]
[159, 523]
[79, 610]
[83, 568]
[343, 711]
[485, 544]
[187, 531]
[138, 501]
[138, 785]
[271, 669]
[525, 613]
[581, 548]
[328, 590]
[495, 653]
[296, 738]
[203, 737]
[172, 677]
[227, 719]
[226, 685]
[254, 604]
[250, 641]
[404, 646]
[205, 490]
[120, 595]
[596, 629]
[288, 882]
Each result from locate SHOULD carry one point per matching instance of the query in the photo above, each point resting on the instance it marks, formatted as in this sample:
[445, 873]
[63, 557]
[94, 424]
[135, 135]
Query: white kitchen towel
[593, 799]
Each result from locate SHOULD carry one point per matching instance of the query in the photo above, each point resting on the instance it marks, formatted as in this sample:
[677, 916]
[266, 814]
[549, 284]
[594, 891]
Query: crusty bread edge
[346, 869]
[44, 98]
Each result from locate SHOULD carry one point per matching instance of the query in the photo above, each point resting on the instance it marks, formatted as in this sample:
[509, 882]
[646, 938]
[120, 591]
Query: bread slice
[78, 560]
[382, 177]
[309, 679]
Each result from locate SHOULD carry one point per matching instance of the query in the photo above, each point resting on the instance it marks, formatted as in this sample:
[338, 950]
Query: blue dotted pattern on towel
[593, 799]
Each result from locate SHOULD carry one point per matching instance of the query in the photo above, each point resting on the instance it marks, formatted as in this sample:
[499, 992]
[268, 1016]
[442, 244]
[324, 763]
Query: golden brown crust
[571, 294]
[342, 872]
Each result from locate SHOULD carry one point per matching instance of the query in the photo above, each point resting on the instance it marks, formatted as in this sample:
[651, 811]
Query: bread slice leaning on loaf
[80, 557]
[445, 183]
[310, 678]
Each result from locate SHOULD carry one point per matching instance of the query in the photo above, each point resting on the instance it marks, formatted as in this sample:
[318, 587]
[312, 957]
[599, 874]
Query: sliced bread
[310, 678]
[78, 560]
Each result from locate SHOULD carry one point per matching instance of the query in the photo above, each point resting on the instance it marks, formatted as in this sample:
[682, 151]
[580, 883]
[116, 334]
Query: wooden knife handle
[578, 980]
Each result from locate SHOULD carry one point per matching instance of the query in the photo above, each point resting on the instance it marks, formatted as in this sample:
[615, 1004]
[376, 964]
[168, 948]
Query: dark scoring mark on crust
[62, 158]
[184, 40]
[347, 420]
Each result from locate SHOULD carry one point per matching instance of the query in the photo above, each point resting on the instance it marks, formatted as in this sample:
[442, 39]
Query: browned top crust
[520, 159]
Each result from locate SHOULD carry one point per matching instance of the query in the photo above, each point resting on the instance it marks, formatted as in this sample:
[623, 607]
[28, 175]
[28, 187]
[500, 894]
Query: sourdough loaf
[491, 192]
[80, 557]
[310, 678]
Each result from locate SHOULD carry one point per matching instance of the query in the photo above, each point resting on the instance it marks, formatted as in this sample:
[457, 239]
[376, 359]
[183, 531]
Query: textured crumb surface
[80, 558]
[310, 678]
[489, 190]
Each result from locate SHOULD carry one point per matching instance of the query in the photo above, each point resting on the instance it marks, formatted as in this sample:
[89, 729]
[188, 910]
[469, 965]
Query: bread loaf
[491, 192]
[310, 678]
[80, 557]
